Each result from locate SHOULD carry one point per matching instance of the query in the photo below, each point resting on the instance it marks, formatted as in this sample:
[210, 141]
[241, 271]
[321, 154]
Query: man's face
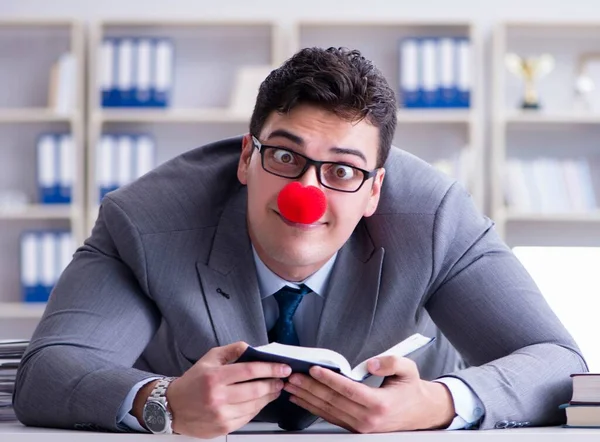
[295, 251]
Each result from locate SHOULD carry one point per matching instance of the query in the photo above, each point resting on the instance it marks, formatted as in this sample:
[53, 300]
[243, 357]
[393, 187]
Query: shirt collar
[269, 283]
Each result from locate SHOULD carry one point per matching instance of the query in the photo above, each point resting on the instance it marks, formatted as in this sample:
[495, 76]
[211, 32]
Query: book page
[309, 354]
[404, 348]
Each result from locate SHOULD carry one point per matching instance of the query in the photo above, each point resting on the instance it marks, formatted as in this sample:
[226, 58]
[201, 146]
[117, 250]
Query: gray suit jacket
[143, 292]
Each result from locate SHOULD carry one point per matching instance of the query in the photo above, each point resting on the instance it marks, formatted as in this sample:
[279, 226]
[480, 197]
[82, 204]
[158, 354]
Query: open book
[302, 358]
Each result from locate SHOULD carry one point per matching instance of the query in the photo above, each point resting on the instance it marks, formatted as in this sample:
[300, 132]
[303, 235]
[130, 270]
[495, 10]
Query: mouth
[301, 226]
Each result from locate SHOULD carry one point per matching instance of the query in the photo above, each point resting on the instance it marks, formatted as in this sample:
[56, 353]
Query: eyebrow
[299, 141]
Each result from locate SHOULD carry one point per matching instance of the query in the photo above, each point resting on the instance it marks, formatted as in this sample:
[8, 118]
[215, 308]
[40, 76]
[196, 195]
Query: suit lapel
[352, 294]
[229, 281]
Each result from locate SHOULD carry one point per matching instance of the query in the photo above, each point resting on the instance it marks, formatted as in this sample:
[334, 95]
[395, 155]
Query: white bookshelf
[516, 117]
[432, 134]
[33, 46]
[206, 53]
[407, 116]
[171, 116]
[41, 212]
[591, 217]
[559, 130]
[40, 115]
[21, 310]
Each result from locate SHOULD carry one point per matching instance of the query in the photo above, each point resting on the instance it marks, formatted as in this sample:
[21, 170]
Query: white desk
[320, 432]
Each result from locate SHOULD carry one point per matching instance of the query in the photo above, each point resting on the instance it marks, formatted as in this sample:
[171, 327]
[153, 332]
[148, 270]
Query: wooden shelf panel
[39, 211]
[552, 118]
[434, 116]
[226, 115]
[589, 217]
[33, 115]
[171, 116]
[21, 310]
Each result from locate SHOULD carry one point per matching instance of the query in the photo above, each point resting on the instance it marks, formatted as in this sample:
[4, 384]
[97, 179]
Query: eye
[341, 172]
[283, 156]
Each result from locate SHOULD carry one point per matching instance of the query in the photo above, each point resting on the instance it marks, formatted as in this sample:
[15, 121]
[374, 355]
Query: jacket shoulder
[411, 185]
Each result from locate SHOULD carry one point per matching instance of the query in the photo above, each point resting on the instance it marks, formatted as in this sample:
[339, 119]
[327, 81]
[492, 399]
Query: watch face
[155, 417]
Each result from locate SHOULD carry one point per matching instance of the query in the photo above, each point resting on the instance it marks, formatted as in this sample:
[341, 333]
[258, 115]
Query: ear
[375, 193]
[245, 157]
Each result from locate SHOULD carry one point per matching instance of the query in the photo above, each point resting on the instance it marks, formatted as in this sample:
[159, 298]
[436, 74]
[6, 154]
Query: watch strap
[159, 394]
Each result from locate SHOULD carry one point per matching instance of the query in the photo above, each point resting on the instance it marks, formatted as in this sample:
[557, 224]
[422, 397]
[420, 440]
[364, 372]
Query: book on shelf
[550, 185]
[136, 72]
[44, 256]
[121, 159]
[62, 88]
[55, 168]
[460, 166]
[435, 72]
[245, 88]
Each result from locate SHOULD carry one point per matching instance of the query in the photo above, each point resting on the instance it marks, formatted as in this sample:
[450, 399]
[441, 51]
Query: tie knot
[287, 290]
[288, 299]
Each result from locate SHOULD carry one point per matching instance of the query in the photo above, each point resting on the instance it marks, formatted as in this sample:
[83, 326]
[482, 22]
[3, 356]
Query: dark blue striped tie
[288, 300]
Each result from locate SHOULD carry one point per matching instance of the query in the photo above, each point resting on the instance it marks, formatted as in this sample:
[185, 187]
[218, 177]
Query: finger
[355, 392]
[225, 354]
[327, 399]
[247, 371]
[394, 366]
[241, 415]
[249, 391]
[321, 413]
[251, 408]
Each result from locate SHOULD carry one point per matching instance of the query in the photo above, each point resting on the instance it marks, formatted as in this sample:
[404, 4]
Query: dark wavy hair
[339, 80]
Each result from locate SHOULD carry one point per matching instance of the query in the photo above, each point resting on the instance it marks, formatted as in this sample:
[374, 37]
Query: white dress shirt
[468, 407]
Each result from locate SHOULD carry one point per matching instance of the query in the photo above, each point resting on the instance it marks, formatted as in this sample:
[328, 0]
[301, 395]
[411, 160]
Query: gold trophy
[530, 69]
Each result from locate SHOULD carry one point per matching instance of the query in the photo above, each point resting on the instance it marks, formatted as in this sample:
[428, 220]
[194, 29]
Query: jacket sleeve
[77, 369]
[490, 309]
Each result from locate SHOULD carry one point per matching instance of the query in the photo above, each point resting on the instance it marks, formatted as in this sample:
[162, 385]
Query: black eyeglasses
[286, 163]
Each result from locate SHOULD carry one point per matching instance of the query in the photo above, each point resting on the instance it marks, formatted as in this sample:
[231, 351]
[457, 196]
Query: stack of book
[584, 408]
[123, 158]
[136, 72]
[44, 256]
[62, 90]
[435, 72]
[551, 185]
[55, 168]
[11, 353]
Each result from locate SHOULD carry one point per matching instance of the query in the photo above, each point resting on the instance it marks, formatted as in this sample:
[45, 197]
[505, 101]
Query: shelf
[38, 212]
[227, 116]
[430, 22]
[21, 310]
[434, 116]
[589, 217]
[171, 116]
[534, 117]
[37, 22]
[33, 115]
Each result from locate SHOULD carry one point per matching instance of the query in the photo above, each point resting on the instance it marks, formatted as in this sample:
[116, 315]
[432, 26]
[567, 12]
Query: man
[184, 269]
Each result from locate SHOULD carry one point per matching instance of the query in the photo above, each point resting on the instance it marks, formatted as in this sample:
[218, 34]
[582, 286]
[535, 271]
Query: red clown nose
[300, 204]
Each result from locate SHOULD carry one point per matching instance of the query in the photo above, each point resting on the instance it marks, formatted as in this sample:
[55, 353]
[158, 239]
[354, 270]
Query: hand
[403, 402]
[214, 397]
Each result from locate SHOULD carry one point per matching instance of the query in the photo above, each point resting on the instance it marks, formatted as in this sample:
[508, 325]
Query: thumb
[225, 354]
[393, 366]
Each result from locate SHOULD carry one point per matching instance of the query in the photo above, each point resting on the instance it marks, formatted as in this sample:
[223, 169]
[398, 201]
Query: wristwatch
[156, 414]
